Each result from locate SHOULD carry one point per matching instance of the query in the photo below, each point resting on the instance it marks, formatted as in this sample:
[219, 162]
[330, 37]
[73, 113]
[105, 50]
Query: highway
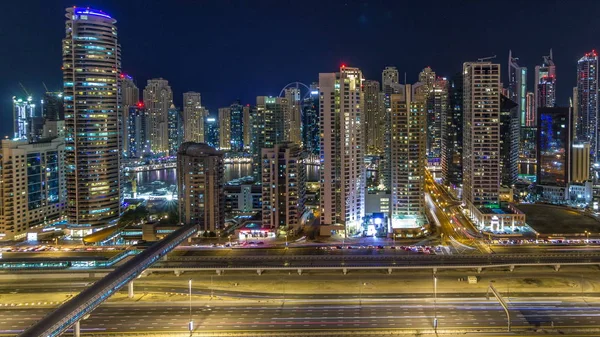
[340, 315]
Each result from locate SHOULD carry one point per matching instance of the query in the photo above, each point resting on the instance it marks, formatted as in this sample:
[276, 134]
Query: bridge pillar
[556, 267]
[299, 271]
[345, 271]
[479, 269]
[511, 267]
[178, 272]
[77, 329]
[219, 272]
[389, 271]
[259, 271]
[434, 270]
[130, 289]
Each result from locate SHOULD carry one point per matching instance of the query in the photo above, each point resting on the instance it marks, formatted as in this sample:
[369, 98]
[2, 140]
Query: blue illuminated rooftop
[90, 11]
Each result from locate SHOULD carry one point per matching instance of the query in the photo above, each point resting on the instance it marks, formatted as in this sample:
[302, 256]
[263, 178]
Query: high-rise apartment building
[158, 98]
[554, 144]
[53, 108]
[91, 68]
[342, 149]
[267, 127]
[408, 155]
[193, 117]
[224, 129]
[580, 163]
[389, 79]
[481, 133]
[427, 79]
[530, 110]
[130, 98]
[174, 128]
[32, 186]
[283, 186]
[510, 122]
[452, 133]
[545, 83]
[211, 135]
[135, 143]
[587, 101]
[517, 87]
[231, 125]
[200, 186]
[292, 120]
[247, 126]
[373, 110]
[437, 105]
[310, 121]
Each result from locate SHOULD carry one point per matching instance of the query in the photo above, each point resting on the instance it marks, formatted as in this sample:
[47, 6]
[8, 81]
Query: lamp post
[229, 240]
[587, 236]
[191, 324]
[286, 240]
[435, 302]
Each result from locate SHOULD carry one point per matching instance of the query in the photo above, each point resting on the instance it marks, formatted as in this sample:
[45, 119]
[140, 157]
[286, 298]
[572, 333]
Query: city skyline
[245, 76]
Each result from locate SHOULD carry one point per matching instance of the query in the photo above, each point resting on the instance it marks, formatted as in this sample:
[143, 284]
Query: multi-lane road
[370, 314]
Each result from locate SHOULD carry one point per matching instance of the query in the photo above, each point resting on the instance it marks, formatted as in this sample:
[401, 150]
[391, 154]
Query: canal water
[232, 171]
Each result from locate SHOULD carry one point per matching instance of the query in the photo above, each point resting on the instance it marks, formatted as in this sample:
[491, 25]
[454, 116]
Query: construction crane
[25, 90]
[45, 87]
[483, 59]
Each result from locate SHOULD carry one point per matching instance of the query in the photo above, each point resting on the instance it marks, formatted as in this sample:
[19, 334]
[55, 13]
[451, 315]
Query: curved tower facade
[91, 69]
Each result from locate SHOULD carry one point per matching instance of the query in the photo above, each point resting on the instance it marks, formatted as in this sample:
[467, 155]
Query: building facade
[481, 133]
[174, 130]
[510, 122]
[342, 149]
[211, 135]
[33, 186]
[158, 99]
[200, 186]
[452, 133]
[193, 117]
[374, 127]
[283, 186]
[545, 83]
[517, 87]
[408, 156]
[91, 78]
[310, 121]
[136, 133]
[587, 101]
[554, 147]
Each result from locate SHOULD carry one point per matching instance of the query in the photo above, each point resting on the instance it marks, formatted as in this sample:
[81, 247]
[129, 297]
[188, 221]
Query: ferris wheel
[303, 90]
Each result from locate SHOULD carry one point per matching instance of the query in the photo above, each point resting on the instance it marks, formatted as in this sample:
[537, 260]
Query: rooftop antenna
[551, 54]
[486, 58]
[405, 78]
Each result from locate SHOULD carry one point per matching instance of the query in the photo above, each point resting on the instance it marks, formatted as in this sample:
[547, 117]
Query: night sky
[241, 49]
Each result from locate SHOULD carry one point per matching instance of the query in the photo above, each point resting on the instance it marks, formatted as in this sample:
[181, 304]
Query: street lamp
[434, 302]
[191, 324]
[587, 236]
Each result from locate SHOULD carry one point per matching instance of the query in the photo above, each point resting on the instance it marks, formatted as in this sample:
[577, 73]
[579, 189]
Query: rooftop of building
[198, 149]
[559, 220]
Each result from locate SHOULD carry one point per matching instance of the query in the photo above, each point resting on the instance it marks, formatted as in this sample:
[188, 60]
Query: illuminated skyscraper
[437, 105]
[135, 142]
[554, 150]
[283, 186]
[452, 133]
[310, 121]
[231, 126]
[53, 108]
[427, 79]
[517, 87]
[211, 127]
[373, 110]
[509, 141]
[91, 68]
[224, 129]
[247, 126]
[158, 98]
[587, 101]
[174, 128]
[267, 127]
[545, 83]
[130, 98]
[23, 114]
[408, 149]
[342, 149]
[481, 134]
[200, 186]
[193, 117]
[292, 119]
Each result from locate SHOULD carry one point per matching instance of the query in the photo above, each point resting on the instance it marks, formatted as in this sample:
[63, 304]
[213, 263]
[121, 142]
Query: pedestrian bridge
[71, 312]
